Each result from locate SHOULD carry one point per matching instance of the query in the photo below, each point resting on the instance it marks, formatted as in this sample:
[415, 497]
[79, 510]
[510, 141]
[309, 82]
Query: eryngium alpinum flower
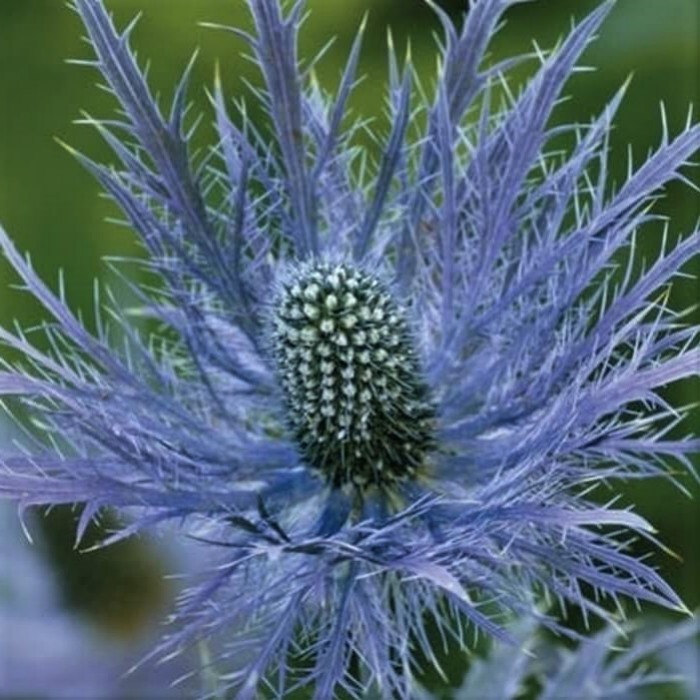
[382, 389]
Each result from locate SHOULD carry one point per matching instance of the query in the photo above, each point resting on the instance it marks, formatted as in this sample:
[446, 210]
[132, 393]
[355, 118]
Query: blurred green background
[52, 207]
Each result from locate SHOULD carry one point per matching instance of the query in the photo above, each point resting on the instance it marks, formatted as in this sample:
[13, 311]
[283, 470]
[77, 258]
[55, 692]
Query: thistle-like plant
[381, 392]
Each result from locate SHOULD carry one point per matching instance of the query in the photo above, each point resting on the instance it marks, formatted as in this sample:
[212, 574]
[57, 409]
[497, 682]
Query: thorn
[73, 151]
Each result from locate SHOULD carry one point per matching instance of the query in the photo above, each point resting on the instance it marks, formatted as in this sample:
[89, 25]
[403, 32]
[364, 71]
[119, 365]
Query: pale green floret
[356, 402]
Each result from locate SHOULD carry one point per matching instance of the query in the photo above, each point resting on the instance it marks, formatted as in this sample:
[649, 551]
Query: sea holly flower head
[354, 394]
[381, 394]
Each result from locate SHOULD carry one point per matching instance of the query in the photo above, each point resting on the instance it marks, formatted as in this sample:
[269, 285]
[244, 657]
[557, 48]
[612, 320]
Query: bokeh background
[107, 602]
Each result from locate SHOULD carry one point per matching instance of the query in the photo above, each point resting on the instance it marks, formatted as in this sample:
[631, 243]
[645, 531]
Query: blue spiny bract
[395, 382]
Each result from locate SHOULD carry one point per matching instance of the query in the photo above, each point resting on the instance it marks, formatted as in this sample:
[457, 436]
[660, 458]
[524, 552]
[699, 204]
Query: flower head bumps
[381, 393]
[355, 399]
